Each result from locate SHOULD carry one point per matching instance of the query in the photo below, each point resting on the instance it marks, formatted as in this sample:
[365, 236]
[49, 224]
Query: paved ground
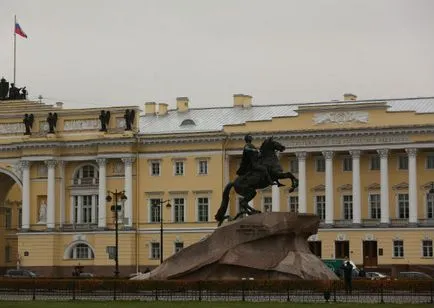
[299, 296]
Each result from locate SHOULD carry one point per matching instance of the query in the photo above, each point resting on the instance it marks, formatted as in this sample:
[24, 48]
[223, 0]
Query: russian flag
[19, 31]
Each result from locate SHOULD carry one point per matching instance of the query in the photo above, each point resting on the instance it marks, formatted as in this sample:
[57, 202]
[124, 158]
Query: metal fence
[415, 292]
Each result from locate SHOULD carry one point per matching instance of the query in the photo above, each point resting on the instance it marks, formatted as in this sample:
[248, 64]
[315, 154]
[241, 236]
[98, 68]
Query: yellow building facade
[365, 167]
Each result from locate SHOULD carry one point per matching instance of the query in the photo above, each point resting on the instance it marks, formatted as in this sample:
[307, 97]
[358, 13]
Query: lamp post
[161, 202]
[116, 207]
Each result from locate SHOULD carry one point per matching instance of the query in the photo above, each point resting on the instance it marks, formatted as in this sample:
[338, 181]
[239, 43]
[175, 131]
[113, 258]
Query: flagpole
[15, 47]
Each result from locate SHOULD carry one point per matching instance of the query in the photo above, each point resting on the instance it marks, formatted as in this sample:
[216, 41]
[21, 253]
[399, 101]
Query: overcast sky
[90, 53]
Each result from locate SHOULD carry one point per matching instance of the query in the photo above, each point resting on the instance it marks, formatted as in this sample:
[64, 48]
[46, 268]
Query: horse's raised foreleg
[288, 175]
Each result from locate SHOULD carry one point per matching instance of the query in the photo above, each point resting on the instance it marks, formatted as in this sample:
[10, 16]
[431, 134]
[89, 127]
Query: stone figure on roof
[52, 121]
[28, 122]
[104, 118]
[129, 118]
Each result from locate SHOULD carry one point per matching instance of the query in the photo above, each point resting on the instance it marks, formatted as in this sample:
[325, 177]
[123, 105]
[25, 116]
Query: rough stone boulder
[262, 246]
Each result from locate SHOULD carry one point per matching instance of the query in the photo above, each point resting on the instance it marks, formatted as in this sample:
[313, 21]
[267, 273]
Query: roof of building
[213, 119]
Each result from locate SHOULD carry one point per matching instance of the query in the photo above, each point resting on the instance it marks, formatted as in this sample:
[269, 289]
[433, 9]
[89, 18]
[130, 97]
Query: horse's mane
[265, 143]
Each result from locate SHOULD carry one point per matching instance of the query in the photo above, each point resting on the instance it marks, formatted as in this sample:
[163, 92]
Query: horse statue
[247, 184]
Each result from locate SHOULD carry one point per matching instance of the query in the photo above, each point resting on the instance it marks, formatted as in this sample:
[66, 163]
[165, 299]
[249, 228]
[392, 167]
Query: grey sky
[90, 53]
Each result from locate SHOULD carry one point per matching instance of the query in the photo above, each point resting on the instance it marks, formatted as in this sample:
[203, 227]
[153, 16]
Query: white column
[357, 219]
[226, 161]
[102, 193]
[226, 179]
[128, 210]
[71, 210]
[62, 192]
[329, 211]
[51, 193]
[302, 204]
[25, 167]
[384, 182]
[275, 199]
[412, 185]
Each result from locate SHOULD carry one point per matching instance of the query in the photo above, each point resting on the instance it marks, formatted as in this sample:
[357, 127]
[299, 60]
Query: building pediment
[373, 186]
[318, 188]
[400, 186]
[345, 187]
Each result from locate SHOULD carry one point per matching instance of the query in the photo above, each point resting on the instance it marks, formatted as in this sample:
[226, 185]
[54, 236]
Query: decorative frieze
[88, 124]
[12, 128]
[342, 117]
[346, 141]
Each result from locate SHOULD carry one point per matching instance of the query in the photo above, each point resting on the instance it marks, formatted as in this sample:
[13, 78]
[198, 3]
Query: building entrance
[370, 255]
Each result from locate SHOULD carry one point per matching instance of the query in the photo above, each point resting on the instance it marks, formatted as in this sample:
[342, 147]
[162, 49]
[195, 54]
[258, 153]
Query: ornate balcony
[426, 222]
[370, 223]
[399, 222]
[343, 223]
[79, 227]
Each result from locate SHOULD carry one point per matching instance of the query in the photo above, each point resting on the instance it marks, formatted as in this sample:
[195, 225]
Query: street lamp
[116, 208]
[161, 202]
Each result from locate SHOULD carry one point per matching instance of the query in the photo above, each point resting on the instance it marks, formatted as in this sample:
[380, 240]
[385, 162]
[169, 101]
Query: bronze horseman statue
[258, 169]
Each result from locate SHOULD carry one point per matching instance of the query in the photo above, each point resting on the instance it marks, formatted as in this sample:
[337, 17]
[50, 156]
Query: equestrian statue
[258, 169]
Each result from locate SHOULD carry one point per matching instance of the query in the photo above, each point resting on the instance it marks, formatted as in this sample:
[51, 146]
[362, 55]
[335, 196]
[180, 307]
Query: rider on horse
[251, 161]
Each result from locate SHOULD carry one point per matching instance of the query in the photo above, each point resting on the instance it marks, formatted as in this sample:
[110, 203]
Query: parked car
[376, 276]
[413, 275]
[20, 273]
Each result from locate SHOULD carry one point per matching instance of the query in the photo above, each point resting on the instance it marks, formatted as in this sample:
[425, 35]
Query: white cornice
[179, 154]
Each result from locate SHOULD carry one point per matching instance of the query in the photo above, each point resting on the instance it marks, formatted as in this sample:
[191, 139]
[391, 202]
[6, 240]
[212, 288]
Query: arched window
[187, 122]
[84, 202]
[80, 251]
[86, 175]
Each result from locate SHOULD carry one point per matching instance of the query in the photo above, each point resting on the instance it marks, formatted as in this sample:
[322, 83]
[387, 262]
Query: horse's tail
[221, 213]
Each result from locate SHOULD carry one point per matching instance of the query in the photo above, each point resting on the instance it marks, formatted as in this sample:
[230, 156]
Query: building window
[202, 208]
[202, 167]
[111, 251]
[179, 168]
[315, 248]
[403, 207]
[8, 253]
[347, 163]
[85, 209]
[178, 209]
[155, 251]
[430, 206]
[427, 250]
[430, 161]
[81, 251]
[179, 246]
[293, 165]
[320, 164]
[348, 207]
[374, 162]
[155, 208]
[293, 204]
[155, 168]
[375, 206]
[403, 162]
[398, 249]
[8, 217]
[267, 204]
[320, 206]
[86, 175]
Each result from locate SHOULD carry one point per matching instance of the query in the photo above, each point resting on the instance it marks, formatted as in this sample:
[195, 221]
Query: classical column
[62, 192]
[412, 185]
[302, 205]
[275, 196]
[51, 194]
[275, 199]
[384, 182]
[25, 167]
[102, 193]
[128, 211]
[357, 219]
[329, 210]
